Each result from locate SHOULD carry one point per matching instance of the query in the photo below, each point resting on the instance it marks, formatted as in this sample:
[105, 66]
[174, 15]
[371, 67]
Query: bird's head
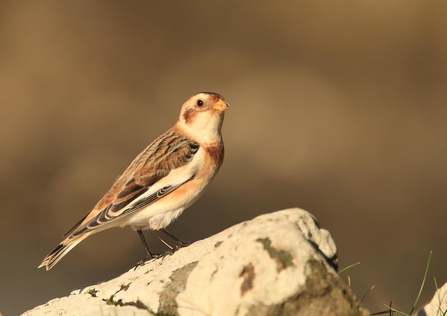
[202, 116]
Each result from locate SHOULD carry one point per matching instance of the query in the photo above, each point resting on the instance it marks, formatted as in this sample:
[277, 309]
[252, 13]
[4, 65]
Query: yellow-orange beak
[221, 105]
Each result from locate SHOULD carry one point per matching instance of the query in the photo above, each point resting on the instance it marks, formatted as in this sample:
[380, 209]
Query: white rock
[280, 263]
[438, 305]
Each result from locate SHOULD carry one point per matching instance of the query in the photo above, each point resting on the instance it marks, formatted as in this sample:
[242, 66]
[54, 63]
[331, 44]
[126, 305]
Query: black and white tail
[60, 251]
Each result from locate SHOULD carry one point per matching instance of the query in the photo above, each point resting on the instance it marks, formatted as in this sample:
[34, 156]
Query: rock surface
[438, 305]
[281, 263]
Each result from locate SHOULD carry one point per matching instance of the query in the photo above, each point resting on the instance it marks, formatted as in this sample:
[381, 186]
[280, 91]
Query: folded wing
[168, 152]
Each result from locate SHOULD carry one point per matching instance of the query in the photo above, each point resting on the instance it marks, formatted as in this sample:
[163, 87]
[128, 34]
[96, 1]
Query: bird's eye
[199, 102]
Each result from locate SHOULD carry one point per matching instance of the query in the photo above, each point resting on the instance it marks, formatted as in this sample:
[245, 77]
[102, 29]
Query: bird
[162, 181]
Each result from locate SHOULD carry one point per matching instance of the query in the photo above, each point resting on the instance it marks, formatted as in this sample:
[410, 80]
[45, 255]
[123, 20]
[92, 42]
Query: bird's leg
[149, 254]
[180, 243]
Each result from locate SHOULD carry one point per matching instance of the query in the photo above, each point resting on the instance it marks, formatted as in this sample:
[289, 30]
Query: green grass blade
[348, 267]
[423, 283]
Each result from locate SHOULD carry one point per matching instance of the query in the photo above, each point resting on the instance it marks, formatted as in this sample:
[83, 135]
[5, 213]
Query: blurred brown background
[336, 107]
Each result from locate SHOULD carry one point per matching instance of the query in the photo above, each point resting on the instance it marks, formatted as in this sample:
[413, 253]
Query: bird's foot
[153, 256]
[181, 244]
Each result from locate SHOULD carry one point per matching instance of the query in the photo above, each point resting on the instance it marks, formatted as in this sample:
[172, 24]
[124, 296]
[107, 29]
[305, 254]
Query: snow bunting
[163, 180]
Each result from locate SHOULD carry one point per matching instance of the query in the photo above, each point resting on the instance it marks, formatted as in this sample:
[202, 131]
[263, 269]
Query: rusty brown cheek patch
[189, 115]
